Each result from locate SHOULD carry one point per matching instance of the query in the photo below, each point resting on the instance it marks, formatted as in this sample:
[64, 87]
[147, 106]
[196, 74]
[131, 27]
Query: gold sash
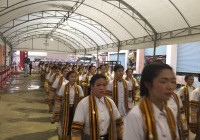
[66, 108]
[195, 115]
[54, 77]
[86, 85]
[60, 82]
[133, 87]
[186, 103]
[115, 93]
[150, 121]
[181, 121]
[94, 121]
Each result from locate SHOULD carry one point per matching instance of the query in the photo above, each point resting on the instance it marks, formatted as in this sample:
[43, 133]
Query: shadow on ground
[34, 136]
[31, 110]
[40, 119]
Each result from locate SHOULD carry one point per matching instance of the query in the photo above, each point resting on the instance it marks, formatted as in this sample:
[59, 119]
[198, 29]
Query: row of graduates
[190, 97]
[57, 82]
[159, 115]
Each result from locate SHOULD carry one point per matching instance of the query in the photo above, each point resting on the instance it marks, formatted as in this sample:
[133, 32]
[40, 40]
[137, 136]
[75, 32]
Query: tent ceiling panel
[190, 10]
[98, 28]
[7, 31]
[49, 16]
[108, 22]
[47, 30]
[64, 37]
[49, 26]
[105, 23]
[32, 6]
[69, 43]
[97, 35]
[120, 16]
[160, 13]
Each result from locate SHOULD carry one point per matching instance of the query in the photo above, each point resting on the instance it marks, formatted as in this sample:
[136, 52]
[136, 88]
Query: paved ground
[23, 113]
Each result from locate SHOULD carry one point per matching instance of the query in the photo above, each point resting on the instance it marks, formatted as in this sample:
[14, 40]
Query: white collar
[157, 111]
[101, 100]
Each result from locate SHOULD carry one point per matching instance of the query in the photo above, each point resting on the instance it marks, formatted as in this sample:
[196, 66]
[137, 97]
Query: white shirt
[121, 93]
[135, 127]
[51, 77]
[71, 91]
[80, 77]
[171, 103]
[56, 82]
[48, 76]
[47, 69]
[130, 81]
[181, 92]
[82, 114]
[195, 95]
[84, 77]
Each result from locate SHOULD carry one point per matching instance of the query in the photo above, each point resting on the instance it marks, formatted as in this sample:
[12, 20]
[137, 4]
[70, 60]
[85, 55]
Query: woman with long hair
[152, 119]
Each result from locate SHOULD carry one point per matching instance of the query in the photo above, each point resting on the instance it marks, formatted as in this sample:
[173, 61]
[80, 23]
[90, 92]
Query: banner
[23, 55]
[1, 55]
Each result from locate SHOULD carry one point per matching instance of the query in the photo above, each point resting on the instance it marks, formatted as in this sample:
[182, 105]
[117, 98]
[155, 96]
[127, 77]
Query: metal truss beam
[180, 13]
[112, 19]
[128, 9]
[88, 28]
[195, 30]
[58, 14]
[60, 35]
[67, 15]
[28, 18]
[95, 25]
[14, 7]
[74, 31]
[3, 4]
[5, 40]
[77, 2]
[44, 36]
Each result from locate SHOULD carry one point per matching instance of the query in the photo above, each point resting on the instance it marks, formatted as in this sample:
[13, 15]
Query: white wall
[139, 61]
[122, 51]
[171, 56]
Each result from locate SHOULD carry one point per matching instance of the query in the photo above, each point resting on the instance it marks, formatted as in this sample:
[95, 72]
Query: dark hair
[118, 66]
[187, 76]
[70, 73]
[95, 78]
[80, 68]
[90, 67]
[101, 66]
[53, 67]
[74, 66]
[198, 76]
[149, 73]
[128, 70]
[64, 68]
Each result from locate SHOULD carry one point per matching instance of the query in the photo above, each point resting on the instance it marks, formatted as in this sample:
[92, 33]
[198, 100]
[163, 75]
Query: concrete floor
[23, 112]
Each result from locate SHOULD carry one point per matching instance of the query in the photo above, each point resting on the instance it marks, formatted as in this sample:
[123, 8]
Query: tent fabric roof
[89, 24]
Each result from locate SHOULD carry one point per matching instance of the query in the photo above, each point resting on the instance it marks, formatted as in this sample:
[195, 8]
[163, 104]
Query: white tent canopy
[85, 25]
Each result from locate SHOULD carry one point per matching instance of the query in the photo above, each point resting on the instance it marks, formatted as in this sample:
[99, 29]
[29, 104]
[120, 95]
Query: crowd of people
[90, 103]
